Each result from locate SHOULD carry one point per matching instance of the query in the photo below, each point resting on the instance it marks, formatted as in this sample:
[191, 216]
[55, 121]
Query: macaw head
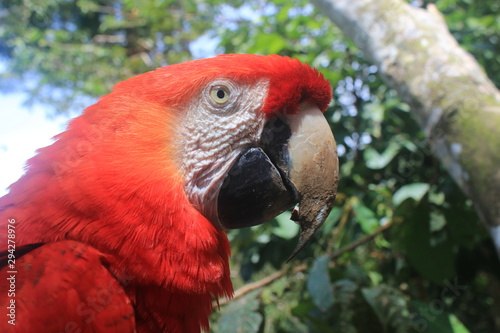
[250, 138]
[236, 139]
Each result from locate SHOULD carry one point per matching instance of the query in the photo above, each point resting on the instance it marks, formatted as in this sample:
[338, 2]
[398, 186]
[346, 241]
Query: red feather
[50, 300]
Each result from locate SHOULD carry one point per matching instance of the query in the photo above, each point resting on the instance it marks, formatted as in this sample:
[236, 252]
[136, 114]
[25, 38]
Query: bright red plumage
[108, 203]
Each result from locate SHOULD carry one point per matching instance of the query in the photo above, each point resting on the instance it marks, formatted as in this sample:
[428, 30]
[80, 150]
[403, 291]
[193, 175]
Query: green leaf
[433, 260]
[332, 219]
[303, 308]
[346, 295]
[318, 284]
[286, 228]
[375, 277]
[241, 315]
[276, 289]
[432, 318]
[389, 305]
[374, 112]
[365, 216]
[267, 43]
[438, 221]
[437, 198]
[375, 160]
[457, 325]
[426, 319]
[415, 191]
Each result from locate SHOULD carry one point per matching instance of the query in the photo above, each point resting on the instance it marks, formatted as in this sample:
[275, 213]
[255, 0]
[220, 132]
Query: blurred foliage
[475, 24]
[69, 50]
[433, 270]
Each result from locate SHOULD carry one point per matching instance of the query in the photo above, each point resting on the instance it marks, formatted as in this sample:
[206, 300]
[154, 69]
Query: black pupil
[221, 93]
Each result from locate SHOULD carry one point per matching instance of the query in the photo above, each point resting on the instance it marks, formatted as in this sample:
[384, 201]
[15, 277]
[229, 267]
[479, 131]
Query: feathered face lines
[222, 121]
[200, 117]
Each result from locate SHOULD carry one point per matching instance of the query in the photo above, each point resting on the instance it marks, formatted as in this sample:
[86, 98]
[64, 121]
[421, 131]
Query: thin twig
[261, 283]
[360, 241]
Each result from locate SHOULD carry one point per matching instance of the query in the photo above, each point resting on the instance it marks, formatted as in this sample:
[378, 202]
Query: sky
[22, 131]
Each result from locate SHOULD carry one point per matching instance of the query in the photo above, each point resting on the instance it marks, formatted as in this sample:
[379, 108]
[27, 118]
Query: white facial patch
[215, 131]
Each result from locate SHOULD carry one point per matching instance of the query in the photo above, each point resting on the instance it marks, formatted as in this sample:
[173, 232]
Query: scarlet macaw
[119, 225]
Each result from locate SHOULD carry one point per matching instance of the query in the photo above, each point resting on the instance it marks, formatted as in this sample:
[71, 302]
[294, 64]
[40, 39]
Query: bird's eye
[220, 94]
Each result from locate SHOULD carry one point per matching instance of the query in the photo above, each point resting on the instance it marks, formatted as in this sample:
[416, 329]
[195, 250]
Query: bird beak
[314, 171]
[295, 164]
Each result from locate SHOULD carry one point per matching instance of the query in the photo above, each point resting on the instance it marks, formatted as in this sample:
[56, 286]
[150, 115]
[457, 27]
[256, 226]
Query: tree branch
[261, 283]
[360, 241]
[302, 267]
[456, 104]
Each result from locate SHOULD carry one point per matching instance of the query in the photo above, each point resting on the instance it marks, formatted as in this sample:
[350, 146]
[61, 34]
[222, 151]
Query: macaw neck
[112, 183]
[142, 222]
[169, 259]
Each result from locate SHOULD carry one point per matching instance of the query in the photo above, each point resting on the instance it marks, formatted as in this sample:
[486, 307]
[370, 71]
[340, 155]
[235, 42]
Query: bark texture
[455, 103]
